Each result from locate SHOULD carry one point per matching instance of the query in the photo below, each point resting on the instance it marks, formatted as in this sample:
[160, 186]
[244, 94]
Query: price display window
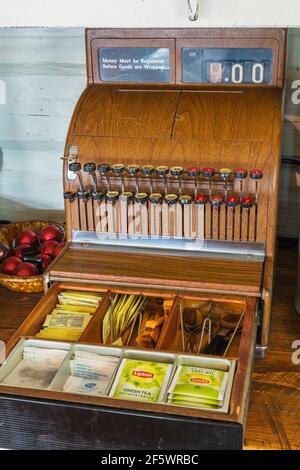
[227, 65]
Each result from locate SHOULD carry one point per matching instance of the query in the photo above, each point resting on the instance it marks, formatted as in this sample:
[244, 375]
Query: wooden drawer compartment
[221, 307]
[93, 332]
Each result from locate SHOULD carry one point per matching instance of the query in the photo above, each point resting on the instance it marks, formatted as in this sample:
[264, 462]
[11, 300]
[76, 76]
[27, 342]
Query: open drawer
[81, 421]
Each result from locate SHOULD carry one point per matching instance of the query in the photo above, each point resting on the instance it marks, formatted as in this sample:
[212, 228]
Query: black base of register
[42, 424]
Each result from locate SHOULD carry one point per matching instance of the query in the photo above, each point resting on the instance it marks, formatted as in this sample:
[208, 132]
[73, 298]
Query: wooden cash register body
[175, 123]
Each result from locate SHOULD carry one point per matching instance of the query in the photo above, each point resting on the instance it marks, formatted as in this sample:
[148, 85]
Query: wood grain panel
[142, 150]
[109, 111]
[228, 116]
[156, 269]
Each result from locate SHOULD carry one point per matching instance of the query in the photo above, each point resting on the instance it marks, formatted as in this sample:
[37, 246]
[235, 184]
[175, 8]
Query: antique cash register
[170, 180]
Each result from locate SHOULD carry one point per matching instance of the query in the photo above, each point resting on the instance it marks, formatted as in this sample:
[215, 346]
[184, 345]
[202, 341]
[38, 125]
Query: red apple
[27, 237]
[51, 232]
[49, 247]
[46, 260]
[59, 248]
[18, 251]
[10, 264]
[26, 269]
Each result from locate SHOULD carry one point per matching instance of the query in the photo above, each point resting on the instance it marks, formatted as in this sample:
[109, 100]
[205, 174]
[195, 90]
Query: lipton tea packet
[141, 380]
[197, 386]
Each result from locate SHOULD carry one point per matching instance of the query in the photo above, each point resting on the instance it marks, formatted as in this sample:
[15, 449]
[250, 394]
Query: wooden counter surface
[274, 411]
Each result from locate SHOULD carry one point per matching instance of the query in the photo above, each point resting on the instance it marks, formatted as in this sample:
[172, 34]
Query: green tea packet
[141, 380]
[192, 404]
[200, 383]
[200, 400]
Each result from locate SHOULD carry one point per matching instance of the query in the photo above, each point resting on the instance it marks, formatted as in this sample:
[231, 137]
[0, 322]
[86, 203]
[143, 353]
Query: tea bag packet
[198, 387]
[141, 380]
[93, 366]
[84, 386]
[122, 312]
[36, 369]
[53, 357]
[91, 373]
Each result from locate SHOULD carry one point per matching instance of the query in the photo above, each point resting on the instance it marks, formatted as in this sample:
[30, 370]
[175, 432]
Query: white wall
[43, 74]
[148, 13]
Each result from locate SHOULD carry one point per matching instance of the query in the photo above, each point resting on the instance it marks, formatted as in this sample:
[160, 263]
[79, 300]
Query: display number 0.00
[237, 73]
[238, 66]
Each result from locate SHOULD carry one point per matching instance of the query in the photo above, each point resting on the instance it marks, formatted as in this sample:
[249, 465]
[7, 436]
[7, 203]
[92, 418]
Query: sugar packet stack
[90, 373]
[71, 315]
[198, 387]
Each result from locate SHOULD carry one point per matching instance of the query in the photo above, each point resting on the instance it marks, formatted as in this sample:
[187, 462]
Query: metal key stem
[246, 204]
[162, 172]
[200, 201]
[216, 201]
[71, 196]
[240, 174]
[125, 197]
[104, 169]
[225, 174]
[133, 171]
[171, 200]
[118, 170]
[186, 200]
[194, 172]
[209, 173]
[90, 169]
[231, 203]
[155, 199]
[112, 197]
[177, 172]
[147, 171]
[141, 199]
[76, 168]
[256, 175]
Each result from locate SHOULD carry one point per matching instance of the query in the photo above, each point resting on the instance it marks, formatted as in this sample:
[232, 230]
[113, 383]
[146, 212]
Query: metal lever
[71, 158]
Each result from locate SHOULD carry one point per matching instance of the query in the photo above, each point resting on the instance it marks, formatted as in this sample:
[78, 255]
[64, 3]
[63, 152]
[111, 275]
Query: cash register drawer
[43, 419]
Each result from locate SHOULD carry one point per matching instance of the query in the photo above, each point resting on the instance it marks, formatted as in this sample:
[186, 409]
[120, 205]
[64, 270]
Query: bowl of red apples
[27, 249]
